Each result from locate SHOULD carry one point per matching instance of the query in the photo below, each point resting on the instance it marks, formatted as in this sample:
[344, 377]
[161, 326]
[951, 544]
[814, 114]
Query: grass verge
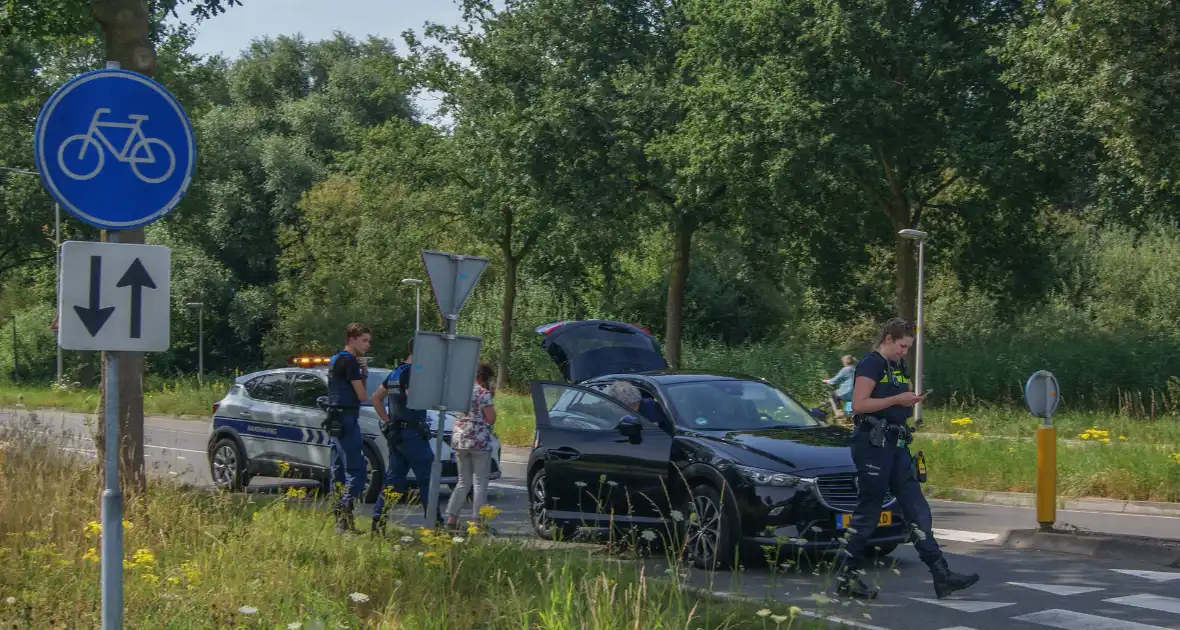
[195, 559]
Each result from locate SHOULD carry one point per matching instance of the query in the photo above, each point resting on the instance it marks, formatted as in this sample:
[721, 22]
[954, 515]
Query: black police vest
[340, 391]
[398, 411]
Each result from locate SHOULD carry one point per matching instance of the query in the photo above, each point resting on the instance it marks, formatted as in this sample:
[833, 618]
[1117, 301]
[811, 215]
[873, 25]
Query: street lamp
[15, 363]
[57, 261]
[200, 308]
[417, 284]
[916, 235]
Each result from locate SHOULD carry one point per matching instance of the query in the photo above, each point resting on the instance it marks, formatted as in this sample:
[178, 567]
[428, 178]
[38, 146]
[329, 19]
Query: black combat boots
[947, 581]
[851, 585]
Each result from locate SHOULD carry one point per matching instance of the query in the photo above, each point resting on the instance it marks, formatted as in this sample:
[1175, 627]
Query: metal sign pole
[112, 500]
[452, 321]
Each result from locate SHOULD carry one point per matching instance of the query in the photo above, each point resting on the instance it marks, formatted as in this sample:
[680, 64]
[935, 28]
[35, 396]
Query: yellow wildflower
[284, 467]
[91, 555]
[150, 578]
[489, 511]
[962, 421]
[296, 493]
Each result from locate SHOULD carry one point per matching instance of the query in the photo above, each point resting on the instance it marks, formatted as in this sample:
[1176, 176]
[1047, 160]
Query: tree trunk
[125, 25]
[907, 275]
[506, 316]
[682, 231]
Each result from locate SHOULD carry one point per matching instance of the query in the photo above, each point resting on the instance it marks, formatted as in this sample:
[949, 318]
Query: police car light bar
[308, 361]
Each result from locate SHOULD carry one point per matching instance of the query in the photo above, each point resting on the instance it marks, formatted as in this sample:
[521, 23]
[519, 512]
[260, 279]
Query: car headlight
[763, 477]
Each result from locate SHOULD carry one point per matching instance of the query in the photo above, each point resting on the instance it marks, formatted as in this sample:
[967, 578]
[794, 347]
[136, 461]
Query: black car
[786, 476]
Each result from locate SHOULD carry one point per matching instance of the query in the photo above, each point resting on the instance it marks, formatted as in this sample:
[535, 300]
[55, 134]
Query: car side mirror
[630, 426]
[819, 414]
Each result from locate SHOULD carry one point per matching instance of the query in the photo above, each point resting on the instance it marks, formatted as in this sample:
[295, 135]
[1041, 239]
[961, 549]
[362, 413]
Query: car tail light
[216, 405]
[642, 328]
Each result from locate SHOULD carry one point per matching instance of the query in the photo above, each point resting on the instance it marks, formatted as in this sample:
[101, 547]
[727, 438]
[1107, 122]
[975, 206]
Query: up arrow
[137, 278]
[94, 317]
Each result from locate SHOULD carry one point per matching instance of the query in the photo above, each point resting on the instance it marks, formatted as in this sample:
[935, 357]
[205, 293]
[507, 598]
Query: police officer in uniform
[346, 390]
[408, 434]
[882, 401]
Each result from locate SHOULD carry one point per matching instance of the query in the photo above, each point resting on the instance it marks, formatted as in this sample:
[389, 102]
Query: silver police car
[268, 425]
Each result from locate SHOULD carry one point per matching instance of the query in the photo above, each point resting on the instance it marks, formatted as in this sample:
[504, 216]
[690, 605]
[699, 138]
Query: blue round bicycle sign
[115, 149]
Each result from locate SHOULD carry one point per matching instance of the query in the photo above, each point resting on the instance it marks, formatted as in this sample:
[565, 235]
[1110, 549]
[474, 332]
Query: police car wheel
[227, 467]
[373, 480]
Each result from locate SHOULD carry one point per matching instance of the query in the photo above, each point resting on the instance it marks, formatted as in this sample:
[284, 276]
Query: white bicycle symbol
[129, 154]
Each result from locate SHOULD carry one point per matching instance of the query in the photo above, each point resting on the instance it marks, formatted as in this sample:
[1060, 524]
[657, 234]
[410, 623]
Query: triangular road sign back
[452, 277]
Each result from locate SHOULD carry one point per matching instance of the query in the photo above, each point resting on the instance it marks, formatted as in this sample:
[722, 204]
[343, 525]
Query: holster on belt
[334, 423]
[881, 432]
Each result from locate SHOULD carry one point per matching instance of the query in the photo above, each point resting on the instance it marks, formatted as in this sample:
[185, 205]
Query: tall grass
[198, 559]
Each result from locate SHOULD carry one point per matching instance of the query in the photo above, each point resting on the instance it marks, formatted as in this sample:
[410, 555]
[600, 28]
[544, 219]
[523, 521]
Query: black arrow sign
[94, 317]
[137, 278]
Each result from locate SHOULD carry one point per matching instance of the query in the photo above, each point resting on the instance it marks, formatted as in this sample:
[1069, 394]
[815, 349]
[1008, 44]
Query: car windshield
[732, 405]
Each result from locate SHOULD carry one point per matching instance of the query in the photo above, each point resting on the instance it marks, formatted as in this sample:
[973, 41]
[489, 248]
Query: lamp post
[417, 284]
[200, 308]
[916, 235]
[56, 258]
[15, 362]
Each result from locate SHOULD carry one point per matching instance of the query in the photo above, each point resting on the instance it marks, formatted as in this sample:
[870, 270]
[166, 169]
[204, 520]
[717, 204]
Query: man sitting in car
[629, 395]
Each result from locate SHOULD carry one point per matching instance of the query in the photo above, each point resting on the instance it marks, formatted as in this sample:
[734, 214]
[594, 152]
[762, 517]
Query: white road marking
[1058, 589]
[841, 620]
[1070, 620]
[506, 486]
[805, 613]
[1148, 601]
[959, 628]
[959, 535]
[1154, 576]
[964, 605]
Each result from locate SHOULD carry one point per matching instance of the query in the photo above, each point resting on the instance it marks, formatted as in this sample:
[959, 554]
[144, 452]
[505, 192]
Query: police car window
[306, 388]
[273, 388]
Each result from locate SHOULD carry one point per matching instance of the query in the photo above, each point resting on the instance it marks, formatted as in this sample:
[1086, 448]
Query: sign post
[444, 363]
[116, 150]
[1041, 394]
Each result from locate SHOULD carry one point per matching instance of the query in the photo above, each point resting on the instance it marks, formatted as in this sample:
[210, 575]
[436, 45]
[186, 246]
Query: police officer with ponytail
[882, 401]
[346, 390]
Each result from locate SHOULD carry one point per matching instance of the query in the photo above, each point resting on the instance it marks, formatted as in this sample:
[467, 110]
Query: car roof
[319, 369]
[672, 377]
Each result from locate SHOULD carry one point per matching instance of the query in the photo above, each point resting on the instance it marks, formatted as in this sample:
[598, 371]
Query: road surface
[1018, 589]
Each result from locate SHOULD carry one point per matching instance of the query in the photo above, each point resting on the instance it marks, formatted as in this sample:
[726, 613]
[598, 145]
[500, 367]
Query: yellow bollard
[1046, 475]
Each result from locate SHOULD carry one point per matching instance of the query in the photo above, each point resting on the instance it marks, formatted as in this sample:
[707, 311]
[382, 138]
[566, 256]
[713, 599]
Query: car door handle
[246, 414]
[564, 452]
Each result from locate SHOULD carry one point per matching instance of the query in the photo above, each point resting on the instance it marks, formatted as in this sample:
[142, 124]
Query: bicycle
[128, 154]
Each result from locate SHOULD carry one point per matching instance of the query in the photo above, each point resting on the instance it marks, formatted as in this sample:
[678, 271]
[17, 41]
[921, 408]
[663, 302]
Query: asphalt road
[1018, 589]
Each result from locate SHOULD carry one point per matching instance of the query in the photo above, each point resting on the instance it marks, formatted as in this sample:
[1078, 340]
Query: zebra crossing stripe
[1150, 602]
[1070, 620]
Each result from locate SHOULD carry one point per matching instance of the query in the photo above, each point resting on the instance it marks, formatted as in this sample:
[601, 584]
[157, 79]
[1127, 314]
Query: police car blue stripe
[272, 431]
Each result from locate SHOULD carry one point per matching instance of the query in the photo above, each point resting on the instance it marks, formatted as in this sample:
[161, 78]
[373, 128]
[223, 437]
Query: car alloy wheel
[539, 514]
[226, 466]
[373, 478]
[707, 535]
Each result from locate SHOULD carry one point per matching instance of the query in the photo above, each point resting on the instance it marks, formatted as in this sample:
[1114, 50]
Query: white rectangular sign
[114, 296]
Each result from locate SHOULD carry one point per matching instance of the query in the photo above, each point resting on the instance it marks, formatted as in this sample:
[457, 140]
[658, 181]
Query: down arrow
[137, 278]
[93, 318]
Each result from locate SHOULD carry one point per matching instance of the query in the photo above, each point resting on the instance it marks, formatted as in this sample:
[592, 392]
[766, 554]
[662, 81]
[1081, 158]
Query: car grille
[839, 491]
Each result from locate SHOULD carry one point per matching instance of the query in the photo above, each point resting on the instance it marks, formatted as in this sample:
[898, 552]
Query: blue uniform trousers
[410, 451]
[348, 460]
[879, 469]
